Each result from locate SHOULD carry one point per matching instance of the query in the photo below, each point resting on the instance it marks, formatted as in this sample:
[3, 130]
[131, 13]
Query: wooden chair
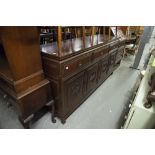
[132, 47]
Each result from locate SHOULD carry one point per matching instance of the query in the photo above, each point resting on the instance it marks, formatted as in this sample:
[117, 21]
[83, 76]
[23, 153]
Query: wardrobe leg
[53, 113]
[26, 122]
[51, 104]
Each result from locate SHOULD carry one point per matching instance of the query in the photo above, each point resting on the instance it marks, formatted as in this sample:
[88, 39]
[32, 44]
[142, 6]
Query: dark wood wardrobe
[21, 74]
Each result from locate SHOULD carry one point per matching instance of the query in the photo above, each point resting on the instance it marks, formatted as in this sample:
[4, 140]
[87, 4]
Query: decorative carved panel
[92, 77]
[79, 75]
[73, 91]
[103, 69]
[112, 59]
[119, 54]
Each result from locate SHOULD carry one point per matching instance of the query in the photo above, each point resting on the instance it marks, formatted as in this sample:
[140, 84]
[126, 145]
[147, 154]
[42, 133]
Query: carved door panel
[119, 54]
[73, 91]
[92, 77]
[103, 69]
[112, 59]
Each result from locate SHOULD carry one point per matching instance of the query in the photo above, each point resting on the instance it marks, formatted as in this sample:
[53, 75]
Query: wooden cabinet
[75, 77]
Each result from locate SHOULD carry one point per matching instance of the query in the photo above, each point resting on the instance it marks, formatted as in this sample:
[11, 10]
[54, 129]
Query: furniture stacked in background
[77, 66]
[21, 73]
[142, 108]
[133, 34]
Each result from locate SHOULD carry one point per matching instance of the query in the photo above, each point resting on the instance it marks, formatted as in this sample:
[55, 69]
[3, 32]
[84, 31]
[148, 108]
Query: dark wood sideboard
[79, 70]
[21, 73]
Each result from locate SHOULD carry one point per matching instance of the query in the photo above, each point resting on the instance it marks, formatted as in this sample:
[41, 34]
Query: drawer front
[99, 53]
[75, 65]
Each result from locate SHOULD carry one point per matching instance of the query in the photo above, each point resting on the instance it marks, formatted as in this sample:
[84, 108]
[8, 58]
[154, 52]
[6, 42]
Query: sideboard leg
[63, 121]
[26, 122]
[148, 105]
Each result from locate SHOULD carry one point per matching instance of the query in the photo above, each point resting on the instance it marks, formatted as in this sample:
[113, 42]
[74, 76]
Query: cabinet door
[92, 77]
[112, 60]
[73, 91]
[119, 55]
[103, 69]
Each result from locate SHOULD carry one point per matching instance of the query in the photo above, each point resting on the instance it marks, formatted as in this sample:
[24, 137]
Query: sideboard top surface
[75, 46]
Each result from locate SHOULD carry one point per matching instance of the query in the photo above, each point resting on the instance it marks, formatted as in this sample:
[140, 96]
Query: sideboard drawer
[99, 53]
[76, 64]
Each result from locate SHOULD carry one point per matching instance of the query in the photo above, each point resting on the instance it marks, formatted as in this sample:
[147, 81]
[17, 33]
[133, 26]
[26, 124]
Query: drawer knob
[67, 68]
[80, 64]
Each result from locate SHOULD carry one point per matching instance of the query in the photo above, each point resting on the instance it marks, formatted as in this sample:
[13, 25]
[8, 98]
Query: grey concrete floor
[103, 109]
